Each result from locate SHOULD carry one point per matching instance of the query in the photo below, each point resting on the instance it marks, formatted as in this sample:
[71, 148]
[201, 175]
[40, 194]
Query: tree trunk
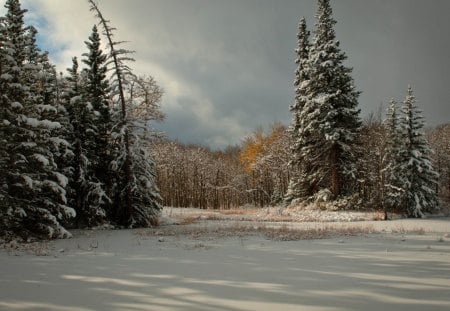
[334, 173]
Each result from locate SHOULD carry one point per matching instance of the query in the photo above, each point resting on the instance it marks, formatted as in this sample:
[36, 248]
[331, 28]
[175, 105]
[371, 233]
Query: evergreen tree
[418, 177]
[96, 92]
[6, 118]
[145, 206]
[295, 130]
[34, 190]
[87, 194]
[392, 190]
[329, 118]
[61, 146]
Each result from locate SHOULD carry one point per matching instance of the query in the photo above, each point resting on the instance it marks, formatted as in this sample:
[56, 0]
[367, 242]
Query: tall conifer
[298, 170]
[418, 176]
[329, 118]
[96, 93]
[87, 194]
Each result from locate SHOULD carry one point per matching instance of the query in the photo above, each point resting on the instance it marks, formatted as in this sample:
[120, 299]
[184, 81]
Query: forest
[77, 150]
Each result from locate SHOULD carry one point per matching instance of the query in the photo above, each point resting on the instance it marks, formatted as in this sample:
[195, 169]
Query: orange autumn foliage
[258, 145]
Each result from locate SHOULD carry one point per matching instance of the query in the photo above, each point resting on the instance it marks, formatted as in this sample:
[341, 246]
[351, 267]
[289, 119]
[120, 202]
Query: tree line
[257, 171]
[254, 173]
[74, 146]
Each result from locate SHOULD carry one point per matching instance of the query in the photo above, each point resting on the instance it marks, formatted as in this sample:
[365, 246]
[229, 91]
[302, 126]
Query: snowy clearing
[394, 265]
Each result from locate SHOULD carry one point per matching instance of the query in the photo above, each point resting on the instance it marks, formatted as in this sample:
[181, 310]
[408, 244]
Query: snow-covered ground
[405, 265]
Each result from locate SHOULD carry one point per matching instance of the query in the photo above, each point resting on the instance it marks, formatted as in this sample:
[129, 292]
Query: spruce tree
[329, 118]
[7, 116]
[35, 196]
[295, 130]
[87, 194]
[96, 93]
[417, 175]
[61, 146]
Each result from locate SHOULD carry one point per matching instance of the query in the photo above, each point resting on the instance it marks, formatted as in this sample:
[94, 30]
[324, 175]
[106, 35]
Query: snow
[59, 141]
[28, 181]
[28, 144]
[32, 121]
[55, 188]
[20, 212]
[328, 63]
[75, 99]
[42, 159]
[62, 179]
[16, 105]
[50, 124]
[6, 76]
[69, 212]
[47, 108]
[149, 269]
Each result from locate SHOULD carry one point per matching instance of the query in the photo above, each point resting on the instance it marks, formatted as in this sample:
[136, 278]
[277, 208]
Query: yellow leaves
[258, 145]
[251, 149]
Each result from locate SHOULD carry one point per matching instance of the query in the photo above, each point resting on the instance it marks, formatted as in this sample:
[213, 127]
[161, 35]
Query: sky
[227, 66]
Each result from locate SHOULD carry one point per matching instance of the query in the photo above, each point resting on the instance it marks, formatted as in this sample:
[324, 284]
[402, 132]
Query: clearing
[236, 260]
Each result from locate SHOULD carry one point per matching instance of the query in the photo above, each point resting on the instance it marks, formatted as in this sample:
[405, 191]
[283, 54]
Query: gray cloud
[227, 66]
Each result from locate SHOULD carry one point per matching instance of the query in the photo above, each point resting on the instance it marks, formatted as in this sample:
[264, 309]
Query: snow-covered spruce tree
[418, 179]
[134, 192]
[295, 189]
[6, 127]
[329, 120]
[392, 190]
[48, 87]
[87, 195]
[96, 93]
[34, 201]
[61, 146]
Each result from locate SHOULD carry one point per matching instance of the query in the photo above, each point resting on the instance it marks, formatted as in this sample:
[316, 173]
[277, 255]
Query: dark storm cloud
[227, 66]
[395, 43]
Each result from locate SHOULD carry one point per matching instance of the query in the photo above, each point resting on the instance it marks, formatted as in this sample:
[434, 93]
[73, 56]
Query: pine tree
[392, 190]
[417, 175]
[295, 130]
[35, 203]
[329, 118]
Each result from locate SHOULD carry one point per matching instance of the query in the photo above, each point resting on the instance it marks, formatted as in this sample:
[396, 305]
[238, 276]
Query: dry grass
[288, 234]
[187, 220]
[378, 216]
[279, 233]
[195, 228]
[291, 214]
[234, 215]
[15, 248]
[415, 231]
[246, 211]
[219, 215]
